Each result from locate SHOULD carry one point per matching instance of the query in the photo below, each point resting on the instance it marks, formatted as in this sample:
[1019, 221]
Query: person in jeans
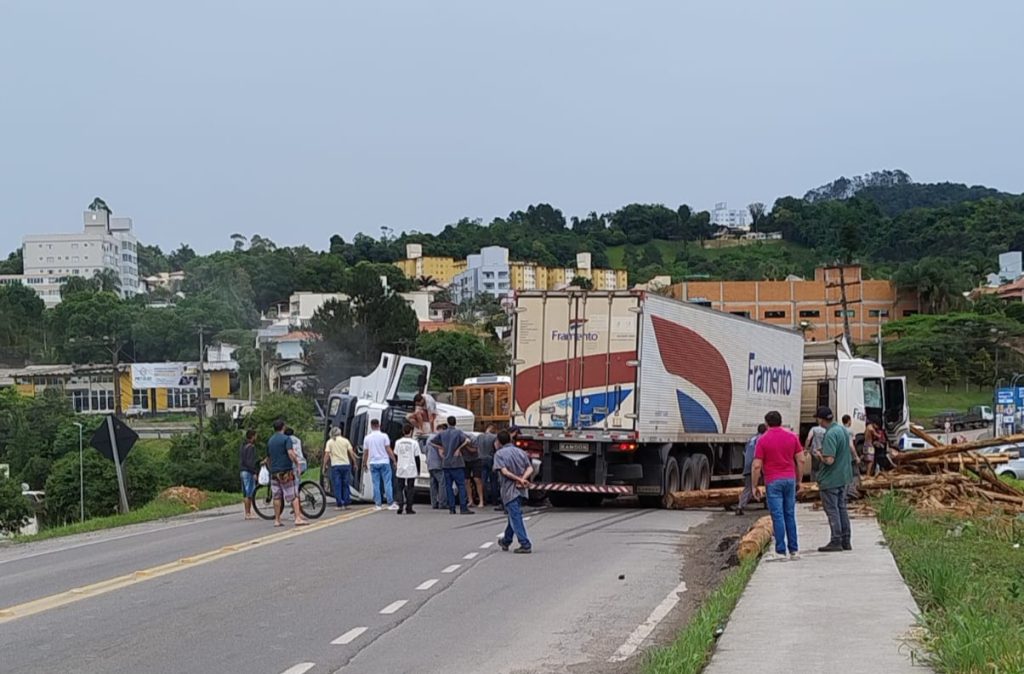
[283, 485]
[407, 458]
[515, 468]
[438, 499]
[450, 444]
[748, 467]
[834, 476]
[780, 456]
[341, 458]
[249, 470]
[300, 458]
[485, 448]
[379, 455]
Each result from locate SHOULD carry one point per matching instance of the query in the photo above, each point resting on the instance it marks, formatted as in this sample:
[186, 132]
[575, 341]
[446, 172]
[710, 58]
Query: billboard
[159, 375]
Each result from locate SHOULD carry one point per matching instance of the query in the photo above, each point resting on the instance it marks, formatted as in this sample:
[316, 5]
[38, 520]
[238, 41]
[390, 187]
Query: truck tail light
[533, 448]
[624, 447]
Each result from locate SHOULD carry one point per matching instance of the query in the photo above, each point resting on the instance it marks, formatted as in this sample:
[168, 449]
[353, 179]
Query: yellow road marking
[104, 586]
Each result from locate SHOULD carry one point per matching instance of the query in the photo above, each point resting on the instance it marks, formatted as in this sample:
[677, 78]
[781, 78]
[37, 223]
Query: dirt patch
[188, 496]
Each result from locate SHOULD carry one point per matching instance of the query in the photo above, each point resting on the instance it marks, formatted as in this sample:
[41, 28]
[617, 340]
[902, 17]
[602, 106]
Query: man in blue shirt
[748, 463]
[450, 444]
[283, 460]
[514, 467]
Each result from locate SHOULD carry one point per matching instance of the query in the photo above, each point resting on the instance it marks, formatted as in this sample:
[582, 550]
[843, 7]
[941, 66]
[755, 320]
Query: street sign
[125, 436]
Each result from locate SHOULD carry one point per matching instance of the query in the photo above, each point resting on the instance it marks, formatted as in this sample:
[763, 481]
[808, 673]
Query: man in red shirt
[780, 455]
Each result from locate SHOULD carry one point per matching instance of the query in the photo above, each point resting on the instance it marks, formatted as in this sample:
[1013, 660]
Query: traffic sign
[125, 436]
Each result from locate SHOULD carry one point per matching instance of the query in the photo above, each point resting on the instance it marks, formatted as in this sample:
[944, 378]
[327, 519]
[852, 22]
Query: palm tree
[239, 242]
[99, 205]
[425, 281]
[108, 280]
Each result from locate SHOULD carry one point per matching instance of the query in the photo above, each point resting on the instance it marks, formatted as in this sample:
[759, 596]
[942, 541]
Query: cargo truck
[630, 393]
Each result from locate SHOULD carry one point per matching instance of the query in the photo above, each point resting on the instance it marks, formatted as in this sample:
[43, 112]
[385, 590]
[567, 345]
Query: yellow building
[441, 269]
[90, 388]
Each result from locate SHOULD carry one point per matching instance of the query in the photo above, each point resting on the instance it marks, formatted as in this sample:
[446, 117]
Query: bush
[205, 475]
[14, 508]
[142, 479]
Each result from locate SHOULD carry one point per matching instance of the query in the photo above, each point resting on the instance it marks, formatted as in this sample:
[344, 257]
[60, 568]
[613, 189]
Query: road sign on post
[114, 440]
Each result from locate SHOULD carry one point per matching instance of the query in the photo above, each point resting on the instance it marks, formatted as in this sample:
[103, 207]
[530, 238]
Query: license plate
[576, 447]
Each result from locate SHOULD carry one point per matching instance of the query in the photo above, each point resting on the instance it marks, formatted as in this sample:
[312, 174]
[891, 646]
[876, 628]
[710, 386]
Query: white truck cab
[386, 395]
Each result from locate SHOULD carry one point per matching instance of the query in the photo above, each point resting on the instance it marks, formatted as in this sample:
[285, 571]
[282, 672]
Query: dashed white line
[644, 629]
[487, 544]
[427, 584]
[348, 637]
[471, 555]
[451, 569]
[393, 606]
[300, 668]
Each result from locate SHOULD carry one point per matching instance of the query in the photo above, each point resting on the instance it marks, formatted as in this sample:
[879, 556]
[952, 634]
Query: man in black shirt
[247, 460]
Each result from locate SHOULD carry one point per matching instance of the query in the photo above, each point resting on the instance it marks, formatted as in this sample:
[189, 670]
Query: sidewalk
[843, 612]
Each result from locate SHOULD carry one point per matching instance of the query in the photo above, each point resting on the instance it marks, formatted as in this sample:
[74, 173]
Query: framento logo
[576, 332]
[686, 354]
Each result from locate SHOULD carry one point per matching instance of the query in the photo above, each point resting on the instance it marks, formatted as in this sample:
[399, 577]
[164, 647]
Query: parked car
[1014, 469]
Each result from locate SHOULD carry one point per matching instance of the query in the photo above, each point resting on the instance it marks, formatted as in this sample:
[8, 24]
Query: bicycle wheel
[312, 502]
[262, 502]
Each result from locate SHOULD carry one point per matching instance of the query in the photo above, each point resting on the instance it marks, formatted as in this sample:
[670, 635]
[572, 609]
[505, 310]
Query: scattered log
[968, 460]
[945, 450]
[924, 435]
[756, 538]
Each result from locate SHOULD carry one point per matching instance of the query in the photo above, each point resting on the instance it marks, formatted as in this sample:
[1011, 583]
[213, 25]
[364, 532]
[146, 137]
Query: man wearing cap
[834, 475]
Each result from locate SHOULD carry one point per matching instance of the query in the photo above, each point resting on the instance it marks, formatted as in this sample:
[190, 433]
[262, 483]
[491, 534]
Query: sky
[300, 120]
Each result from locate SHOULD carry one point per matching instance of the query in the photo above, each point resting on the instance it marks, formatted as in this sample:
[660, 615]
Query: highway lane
[431, 592]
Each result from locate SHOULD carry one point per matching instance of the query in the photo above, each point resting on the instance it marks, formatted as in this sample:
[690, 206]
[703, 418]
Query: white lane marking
[526, 519]
[348, 637]
[300, 668]
[471, 555]
[644, 629]
[451, 569]
[107, 539]
[393, 606]
[487, 544]
[427, 584]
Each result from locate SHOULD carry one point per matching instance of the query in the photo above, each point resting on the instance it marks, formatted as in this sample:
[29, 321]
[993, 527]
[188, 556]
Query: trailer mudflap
[617, 489]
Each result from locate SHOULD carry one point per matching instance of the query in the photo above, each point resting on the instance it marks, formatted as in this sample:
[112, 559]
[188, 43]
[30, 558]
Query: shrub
[205, 475]
[100, 478]
[14, 508]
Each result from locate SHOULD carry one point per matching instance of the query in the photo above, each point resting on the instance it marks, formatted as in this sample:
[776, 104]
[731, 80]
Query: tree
[21, 325]
[15, 509]
[982, 371]
[926, 372]
[142, 481]
[238, 242]
[91, 326]
[949, 373]
[757, 214]
[108, 280]
[99, 205]
[179, 258]
[582, 282]
[456, 355]
[14, 264]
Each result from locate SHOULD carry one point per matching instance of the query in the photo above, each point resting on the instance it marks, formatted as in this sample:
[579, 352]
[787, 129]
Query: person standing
[435, 467]
[407, 467]
[748, 467]
[474, 479]
[450, 444]
[812, 445]
[834, 476]
[300, 462]
[380, 456]
[283, 462]
[485, 448]
[853, 490]
[515, 468]
[781, 457]
[249, 470]
[341, 458]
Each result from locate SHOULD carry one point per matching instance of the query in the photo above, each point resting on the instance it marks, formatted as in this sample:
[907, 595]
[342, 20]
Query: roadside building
[813, 307]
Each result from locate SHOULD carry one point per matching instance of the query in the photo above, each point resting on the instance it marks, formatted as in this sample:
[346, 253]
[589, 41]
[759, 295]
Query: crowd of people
[488, 465]
[777, 455]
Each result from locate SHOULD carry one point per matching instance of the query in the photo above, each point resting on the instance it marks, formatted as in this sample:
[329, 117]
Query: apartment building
[441, 269]
[733, 218]
[813, 307]
[487, 273]
[104, 243]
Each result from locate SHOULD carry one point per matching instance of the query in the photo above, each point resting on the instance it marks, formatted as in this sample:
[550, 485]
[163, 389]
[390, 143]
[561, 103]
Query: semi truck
[631, 393]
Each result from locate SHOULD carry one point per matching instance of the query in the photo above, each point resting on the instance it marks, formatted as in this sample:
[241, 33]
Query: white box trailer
[626, 392]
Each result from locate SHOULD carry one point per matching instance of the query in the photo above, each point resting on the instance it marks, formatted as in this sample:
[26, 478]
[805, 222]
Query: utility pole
[844, 301]
[115, 351]
[202, 394]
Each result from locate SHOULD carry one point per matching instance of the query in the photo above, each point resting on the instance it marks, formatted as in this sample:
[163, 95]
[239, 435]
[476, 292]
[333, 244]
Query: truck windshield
[873, 393]
[411, 381]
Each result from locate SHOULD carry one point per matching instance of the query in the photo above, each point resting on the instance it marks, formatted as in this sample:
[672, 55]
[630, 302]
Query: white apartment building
[487, 272]
[105, 243]
[733, 218]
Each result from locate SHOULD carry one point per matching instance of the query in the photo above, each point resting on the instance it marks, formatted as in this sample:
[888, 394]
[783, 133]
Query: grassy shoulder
[691, 650]
[967, 575]
[158, 508]
[928, 402]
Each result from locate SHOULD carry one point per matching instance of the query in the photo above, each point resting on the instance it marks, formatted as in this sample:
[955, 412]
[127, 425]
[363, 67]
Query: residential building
[733, 218]
[487, 273]
[441, 269]
[812, 306]
[106, 243]
[166, 280]
[303, 304]
[90, 388]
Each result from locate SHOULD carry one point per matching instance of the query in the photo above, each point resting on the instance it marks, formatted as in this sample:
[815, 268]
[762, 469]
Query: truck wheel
[701, 471]
[688, 481]
[958, 427]
[672, 482]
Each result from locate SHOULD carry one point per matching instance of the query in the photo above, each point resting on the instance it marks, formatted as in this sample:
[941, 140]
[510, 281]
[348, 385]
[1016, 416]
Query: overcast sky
[298, 120]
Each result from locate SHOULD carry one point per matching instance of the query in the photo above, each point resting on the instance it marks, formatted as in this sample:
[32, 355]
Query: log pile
[943, 478]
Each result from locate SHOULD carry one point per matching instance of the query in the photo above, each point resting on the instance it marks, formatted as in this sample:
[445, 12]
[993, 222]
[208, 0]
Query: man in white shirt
[379, 455]
[407, 454]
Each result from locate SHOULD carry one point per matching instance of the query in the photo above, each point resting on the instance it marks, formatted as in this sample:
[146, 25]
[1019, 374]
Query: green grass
[691, 650]
[968, 579]
[154, 510]
[926, 403]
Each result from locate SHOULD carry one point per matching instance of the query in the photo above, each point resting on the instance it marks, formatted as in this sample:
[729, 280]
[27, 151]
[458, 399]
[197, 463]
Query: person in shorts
[300, 458]
[249, 470]
[283, 485]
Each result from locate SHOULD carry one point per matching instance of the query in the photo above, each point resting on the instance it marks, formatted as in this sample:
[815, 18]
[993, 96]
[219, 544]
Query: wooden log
[723, 496]
[969, 460]
[903, 481]
[924, 435]
[756, 538]
[946, 450]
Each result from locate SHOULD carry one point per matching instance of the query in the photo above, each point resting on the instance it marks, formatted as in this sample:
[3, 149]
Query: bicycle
[312, 501]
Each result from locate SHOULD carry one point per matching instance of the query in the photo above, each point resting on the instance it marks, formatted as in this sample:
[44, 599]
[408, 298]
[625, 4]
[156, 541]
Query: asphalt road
[368, 592]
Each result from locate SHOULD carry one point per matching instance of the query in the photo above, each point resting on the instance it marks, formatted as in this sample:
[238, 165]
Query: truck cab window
[411, 381]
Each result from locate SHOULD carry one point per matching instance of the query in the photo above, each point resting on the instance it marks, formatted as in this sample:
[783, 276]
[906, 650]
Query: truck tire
[672, 482]
[958, 427]
[688, 478]
[701, 471]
